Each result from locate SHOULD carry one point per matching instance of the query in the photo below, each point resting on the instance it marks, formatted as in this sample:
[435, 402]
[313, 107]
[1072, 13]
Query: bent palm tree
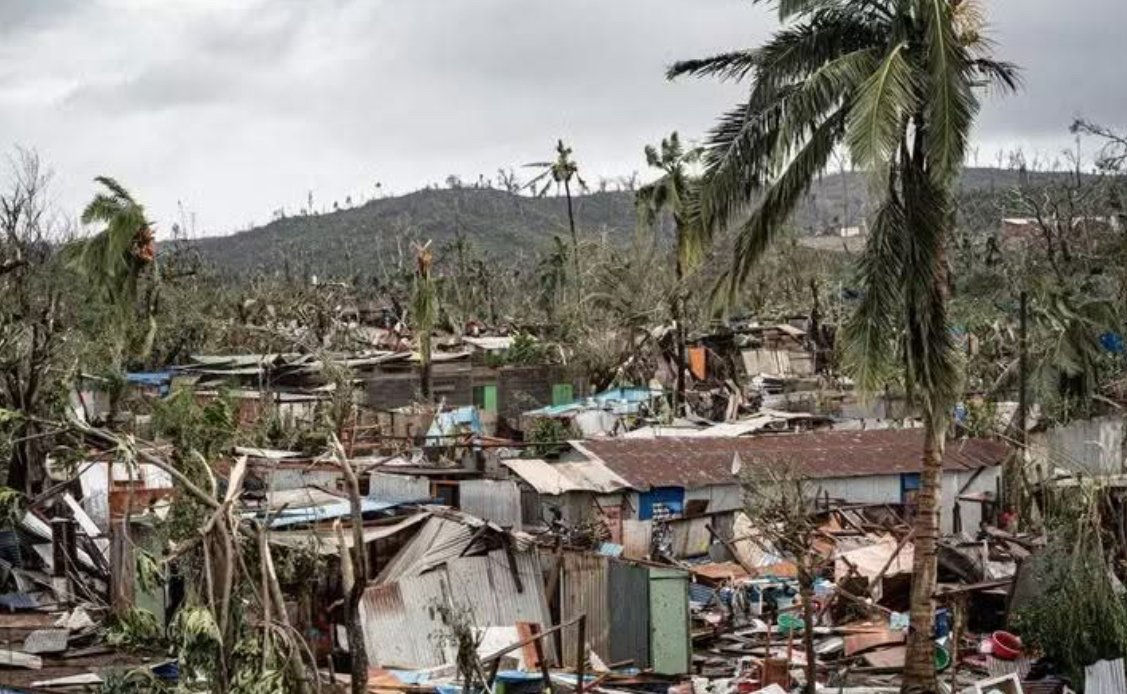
[560, 173]
[676, 191]
[894, 82]
[115, 258]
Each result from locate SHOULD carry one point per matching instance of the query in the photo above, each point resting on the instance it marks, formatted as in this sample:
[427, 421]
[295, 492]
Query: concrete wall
[519, 388]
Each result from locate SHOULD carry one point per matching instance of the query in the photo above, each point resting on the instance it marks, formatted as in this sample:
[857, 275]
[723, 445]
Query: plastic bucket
[942, 659]
[1005, 646]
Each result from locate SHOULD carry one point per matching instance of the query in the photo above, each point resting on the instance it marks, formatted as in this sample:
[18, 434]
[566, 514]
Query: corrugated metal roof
[402, 628]
[554, 479]
[701, 462]
[438, 541]
[492, 500]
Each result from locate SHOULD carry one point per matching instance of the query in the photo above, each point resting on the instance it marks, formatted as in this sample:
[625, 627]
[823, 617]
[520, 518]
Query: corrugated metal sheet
[583, 590]
[1105, 677]
[1092, 446]
[401, 628]
[485, 585]
[438, 541]
[700, 462]
[559, 478]
[284, 478]
[628, 591]
[492, 500]
[690, 536]
[326, 541]
[636, 538]
[399, 488]
[726, 497]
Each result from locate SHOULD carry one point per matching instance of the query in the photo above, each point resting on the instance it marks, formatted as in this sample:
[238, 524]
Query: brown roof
[701, 462]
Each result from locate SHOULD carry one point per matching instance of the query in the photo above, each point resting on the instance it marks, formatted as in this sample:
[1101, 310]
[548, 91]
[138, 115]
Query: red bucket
[1005, 646]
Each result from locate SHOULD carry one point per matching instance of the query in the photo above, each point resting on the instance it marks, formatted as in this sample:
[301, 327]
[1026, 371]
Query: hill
[353, 241]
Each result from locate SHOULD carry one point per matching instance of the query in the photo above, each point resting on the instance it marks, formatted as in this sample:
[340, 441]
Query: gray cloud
[239, 107]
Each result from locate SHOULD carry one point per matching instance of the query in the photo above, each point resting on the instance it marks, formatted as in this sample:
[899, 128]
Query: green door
[669, 621]
[485, 397]
[562, 394]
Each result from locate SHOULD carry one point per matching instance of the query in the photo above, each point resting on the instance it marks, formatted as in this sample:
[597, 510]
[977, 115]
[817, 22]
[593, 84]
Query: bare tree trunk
[574, 244]
[679, 335]
[358, 555]
[806, 591]
[919, 664]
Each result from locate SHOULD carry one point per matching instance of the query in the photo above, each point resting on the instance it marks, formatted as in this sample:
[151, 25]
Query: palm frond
[878, 114]
[871, 330]
[951, 106]
[930, 356]
[789, 9]
[1002, 75]
[734, 66]
[780, 198]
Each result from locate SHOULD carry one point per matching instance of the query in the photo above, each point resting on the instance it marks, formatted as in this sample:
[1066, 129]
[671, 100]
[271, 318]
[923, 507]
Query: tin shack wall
[628, 594]
[583, 590]
[492, 500]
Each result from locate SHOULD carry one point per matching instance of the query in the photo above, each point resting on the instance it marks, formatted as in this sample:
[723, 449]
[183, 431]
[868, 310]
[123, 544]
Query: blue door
[909, 487]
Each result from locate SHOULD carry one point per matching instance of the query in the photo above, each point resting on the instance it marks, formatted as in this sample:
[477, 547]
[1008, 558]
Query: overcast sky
[238, 107]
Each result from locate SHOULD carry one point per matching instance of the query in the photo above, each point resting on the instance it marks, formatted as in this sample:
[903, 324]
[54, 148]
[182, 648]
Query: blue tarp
[617, 400]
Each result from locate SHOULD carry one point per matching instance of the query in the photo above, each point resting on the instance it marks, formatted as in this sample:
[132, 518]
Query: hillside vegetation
[353, 242]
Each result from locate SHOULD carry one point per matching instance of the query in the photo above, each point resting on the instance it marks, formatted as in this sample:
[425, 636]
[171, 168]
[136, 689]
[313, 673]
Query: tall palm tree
[893, 81]
[675, 191]
[560, 173]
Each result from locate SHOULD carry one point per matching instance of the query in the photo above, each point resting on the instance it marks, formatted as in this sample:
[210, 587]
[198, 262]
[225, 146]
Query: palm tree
[675, 190]
[560, 173]
[115, 258]
[894, 82]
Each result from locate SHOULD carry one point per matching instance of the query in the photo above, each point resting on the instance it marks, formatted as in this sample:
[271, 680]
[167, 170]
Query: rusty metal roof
[701, 462]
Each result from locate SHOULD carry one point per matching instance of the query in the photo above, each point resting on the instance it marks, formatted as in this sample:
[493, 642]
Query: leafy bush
[1080, 616]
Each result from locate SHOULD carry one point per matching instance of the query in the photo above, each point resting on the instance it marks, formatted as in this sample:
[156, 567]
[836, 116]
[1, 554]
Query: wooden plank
[21, 660]
[69, 681]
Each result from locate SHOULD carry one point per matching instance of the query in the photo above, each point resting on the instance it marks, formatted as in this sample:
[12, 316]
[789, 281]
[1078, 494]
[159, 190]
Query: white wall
[885, 489]
[1092, 446]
